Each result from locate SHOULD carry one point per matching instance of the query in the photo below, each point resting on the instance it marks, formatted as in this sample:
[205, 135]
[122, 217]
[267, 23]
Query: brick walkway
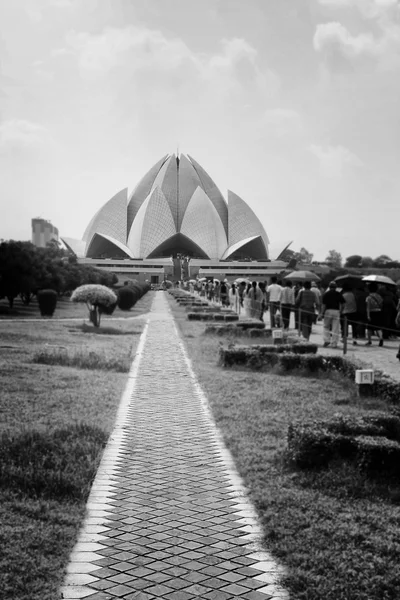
[167, 515]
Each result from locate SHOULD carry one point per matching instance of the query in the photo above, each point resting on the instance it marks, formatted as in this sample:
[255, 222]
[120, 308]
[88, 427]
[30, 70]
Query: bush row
[130, 294]
[383, 387]
[371, 442]
[212, 316]
[288, 356]
[232, 329]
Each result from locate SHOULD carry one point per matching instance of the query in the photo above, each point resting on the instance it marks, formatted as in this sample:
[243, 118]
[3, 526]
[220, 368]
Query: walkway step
[168, 516]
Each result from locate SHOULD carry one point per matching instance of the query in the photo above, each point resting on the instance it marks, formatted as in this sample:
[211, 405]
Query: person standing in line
[349, 312]
[234, 298]
[273, 299]
[242, 292]
[306, 302]
[361, 294]
[332, 303]
[318, 296]
[262, 287]
[297, 289]
[255, 298]
[224, 292]
[374, 304]
[287, 303]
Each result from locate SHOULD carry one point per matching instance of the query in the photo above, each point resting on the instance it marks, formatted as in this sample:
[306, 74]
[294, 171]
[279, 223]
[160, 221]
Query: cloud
[334, 36]
[19, 133]
[283, 121]
[369, 9]
[333, 39]
[333, 160]
[140, 49]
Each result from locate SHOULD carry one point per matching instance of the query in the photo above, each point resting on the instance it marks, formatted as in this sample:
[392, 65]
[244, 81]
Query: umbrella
[241, 280]
[379, 279]
[302, 276]
[352, 281]
[192, 280]
[215, 279]
[202, 279]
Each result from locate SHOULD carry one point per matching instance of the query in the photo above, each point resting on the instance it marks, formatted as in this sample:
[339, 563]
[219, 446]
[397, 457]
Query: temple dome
[176, 207]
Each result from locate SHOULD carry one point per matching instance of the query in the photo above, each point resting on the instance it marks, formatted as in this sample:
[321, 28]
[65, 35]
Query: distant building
[43, 232]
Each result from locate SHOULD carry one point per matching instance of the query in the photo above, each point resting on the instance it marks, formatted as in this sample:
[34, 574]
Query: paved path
[167, 515]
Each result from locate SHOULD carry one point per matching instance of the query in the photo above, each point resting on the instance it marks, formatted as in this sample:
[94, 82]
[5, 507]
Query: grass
[83, 360]
[51, 441]
[336, 532]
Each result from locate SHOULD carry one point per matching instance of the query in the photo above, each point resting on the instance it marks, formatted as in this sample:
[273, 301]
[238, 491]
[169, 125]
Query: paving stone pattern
[167, 516]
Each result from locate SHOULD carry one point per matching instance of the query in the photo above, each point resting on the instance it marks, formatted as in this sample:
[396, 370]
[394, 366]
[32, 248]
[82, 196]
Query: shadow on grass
[57, 464]
[105, 330]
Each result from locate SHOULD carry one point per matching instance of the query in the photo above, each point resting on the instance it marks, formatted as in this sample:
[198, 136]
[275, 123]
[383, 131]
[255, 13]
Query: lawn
[337, 533]
[61, 382]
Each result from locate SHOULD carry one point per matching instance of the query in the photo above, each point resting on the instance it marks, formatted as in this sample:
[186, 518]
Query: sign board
[277, 334]
[365, 376]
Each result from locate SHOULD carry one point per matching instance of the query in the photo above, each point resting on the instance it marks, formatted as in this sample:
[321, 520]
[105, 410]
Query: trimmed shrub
[313, 445]
[251, 324]
[231, 317]
[371, 441]
[47, 300]
[107, 310]
[127, 297]
[256, 357]
[378, 456]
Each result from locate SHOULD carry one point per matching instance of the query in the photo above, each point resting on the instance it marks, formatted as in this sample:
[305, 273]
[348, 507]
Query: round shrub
[47, 300]
[127, 297]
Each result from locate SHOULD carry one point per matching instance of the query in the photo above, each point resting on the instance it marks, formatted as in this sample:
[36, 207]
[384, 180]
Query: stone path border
[168, 516]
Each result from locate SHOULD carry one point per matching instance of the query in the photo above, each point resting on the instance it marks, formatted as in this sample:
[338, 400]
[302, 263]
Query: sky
[292, 104]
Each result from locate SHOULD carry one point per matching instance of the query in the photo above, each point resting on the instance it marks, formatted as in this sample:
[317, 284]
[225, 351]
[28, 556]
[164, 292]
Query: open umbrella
[352, 281]
[302, 276]
[379, 279]
[202, 279]
[241, 280]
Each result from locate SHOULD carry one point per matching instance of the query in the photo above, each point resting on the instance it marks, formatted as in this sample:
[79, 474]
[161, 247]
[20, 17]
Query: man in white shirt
[287, 303]
[273, 299]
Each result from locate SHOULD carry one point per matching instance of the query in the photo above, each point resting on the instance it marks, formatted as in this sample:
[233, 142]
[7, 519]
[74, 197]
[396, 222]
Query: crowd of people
[363, 309]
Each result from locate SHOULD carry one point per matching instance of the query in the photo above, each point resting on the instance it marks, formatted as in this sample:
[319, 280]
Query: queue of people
[363, 310]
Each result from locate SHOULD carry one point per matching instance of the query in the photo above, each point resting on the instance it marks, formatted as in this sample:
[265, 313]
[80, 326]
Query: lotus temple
[175, 216]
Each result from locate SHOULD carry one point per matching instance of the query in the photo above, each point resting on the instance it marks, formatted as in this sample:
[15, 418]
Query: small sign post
[365, 381]
[277, 336]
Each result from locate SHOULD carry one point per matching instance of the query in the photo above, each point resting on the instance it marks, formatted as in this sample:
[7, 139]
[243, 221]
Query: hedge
[383, 387]
[258, 356]
[127, 297]
[371, 442]
[47, 300]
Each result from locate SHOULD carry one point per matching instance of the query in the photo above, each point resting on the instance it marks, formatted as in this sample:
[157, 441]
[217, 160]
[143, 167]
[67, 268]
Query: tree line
[26, 269]
[334, 260]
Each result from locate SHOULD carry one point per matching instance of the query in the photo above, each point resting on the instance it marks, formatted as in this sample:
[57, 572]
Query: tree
[98, 299]
[304, 256]
[382, 261]
[334, 259]
[366, 262]
[353, 261]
